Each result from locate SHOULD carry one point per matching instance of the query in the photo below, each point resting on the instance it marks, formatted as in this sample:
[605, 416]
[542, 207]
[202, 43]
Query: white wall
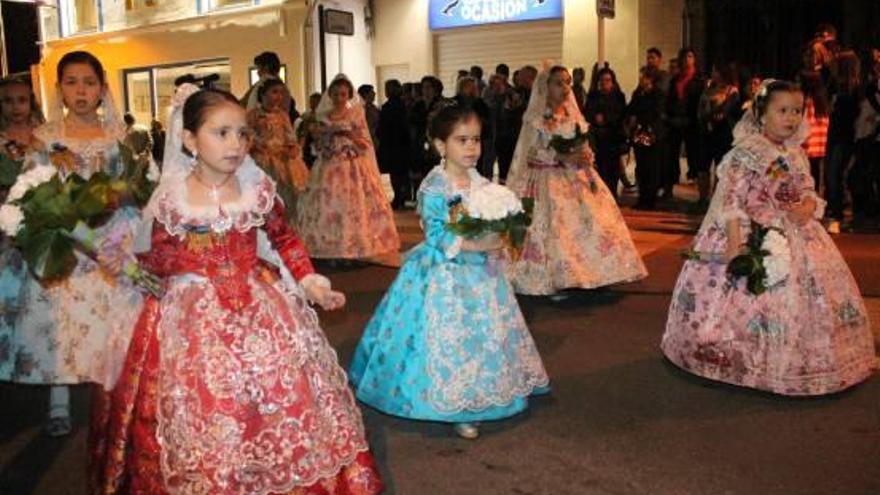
[351, 55]
[403, 36]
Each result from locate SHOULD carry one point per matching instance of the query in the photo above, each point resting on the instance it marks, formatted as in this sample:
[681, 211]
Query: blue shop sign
[459, 13]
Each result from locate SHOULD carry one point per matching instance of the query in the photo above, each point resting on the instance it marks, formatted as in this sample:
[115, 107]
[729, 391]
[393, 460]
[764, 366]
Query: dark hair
[36, 116]
[128, 118]
[847, 70]
[81, 57]
[269, 61]
[476, 71]
[393, 88]
[826, 27]
[815, 91]
[765, 94]
[682, 56]
[267, 85]
[502, 69]
[196, 108]
[365, 89]
[436, 83]
[443, 121]
[655, 51]
[342, 82]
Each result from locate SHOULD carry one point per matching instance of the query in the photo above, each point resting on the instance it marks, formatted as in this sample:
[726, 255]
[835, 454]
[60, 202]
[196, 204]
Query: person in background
[268, 66]
[477, 73]
[432, 97]
[682, 102]
[718, 113]
[644, 127]
[157, 134]
[577, 87]
[510, 122]
[303, 128]
[137, 137]
[654, 58]
[816, 113]
[394, 147]
[606, 106]
[848, 93]
[368, 95]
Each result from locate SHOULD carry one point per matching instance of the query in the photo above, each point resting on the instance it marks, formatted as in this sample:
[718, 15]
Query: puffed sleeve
[289, 246]
[434, 213]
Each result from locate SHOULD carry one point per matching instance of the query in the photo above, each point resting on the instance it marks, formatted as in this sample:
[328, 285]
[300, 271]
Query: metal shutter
[515, 44]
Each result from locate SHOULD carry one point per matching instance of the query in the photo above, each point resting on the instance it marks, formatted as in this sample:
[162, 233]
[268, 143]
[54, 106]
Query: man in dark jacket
[394, 142]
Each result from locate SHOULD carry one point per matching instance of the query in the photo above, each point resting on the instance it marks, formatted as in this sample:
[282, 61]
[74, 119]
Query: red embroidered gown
[230, 387]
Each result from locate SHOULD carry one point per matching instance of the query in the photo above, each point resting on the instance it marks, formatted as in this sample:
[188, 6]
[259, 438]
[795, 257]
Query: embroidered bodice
[81, 156]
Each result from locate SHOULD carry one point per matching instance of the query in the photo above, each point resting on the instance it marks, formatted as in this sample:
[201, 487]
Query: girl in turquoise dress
[448, 341]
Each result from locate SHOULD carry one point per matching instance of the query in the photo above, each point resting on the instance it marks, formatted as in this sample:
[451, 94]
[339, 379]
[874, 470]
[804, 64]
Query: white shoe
[468, 431]
[833, 227]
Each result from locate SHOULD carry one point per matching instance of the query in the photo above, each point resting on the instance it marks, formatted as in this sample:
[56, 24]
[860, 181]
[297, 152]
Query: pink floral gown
[808, 335]
[343, 213]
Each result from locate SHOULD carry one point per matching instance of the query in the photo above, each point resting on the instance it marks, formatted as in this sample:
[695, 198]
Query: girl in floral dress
[578, 238]
[275, 147]
[76, 330]
[229, 387]
[807, 335]
[343, 212]
[448, 342]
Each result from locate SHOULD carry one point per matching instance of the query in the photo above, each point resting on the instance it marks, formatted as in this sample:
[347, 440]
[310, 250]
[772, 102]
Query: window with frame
[149, 90]
[79, 16]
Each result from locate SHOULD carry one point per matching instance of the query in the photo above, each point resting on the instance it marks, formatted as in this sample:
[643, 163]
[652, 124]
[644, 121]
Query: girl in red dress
[230, 387]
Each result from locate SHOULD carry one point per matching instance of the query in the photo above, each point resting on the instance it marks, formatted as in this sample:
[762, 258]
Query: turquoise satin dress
[448, 341]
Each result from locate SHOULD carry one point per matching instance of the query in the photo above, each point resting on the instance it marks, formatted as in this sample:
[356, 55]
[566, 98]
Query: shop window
[79, 16]
[148, 90]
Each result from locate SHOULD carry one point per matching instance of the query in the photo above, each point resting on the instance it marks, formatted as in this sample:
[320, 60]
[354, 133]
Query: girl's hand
[801, 212]
[732, 251]
[325, 297]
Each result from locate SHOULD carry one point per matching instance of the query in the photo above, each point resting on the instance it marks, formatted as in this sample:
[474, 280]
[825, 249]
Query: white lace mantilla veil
[749, 125]
[532, 121]
[177, 166]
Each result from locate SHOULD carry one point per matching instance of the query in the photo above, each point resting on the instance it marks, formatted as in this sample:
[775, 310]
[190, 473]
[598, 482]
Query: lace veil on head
[533, 120]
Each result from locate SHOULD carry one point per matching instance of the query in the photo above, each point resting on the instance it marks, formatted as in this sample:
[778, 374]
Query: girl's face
[340, 95]
[273, 98]
[16, 103]
[783, 115]
[222, 141]
[80, 89]
[558, 87]
[462, 147]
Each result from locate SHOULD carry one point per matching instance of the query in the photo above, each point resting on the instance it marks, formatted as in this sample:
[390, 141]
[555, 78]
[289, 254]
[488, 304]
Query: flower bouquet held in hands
[50, 211]
[567, 140]
[765, 263]
[493, 208]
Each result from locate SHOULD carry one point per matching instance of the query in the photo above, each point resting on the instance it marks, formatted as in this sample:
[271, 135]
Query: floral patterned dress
[808, 335]
[447, 342]
[578, 238]
[343, 212]
[230, 387]
[75, 330]
[276, 150]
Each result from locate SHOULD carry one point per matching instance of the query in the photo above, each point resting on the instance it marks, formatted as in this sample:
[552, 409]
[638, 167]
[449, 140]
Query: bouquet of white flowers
[492, 208]
[765, 264]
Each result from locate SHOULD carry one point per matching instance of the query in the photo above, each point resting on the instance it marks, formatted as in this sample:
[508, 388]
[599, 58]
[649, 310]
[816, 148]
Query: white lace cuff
[454, 248]
[819, 212]
[314, 280]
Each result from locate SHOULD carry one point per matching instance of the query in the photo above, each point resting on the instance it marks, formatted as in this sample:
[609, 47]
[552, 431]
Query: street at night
[620, 419]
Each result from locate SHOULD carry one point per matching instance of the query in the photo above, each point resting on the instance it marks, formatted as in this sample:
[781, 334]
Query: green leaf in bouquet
[755, 284]
[48, 252]
[743, 265]
[9, 170]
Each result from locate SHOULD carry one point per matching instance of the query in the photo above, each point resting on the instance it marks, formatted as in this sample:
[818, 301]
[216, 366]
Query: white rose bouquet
[492, 208]
[765, 264]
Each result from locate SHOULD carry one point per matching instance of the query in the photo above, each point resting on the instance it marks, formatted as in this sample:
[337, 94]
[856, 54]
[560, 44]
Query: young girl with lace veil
[74, 330]
[808, 332]
[448, 342]
[343, 212]
[229, 386]
[578, 238]
[275, 146]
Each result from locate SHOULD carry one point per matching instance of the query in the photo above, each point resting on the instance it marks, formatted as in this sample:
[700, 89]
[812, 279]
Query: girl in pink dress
[343, 213]
[808, 334]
